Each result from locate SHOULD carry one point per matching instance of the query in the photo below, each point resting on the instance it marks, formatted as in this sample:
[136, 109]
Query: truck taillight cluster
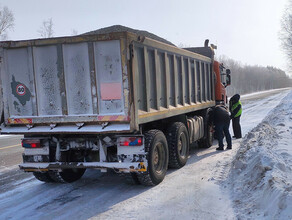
[131, 141]
[31, 143]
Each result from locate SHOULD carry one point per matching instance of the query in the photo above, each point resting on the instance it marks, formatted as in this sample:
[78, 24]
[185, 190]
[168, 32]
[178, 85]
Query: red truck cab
[223, 80]
[222, 75]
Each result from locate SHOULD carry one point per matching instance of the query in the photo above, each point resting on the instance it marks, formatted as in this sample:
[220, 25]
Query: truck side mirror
[228, 77]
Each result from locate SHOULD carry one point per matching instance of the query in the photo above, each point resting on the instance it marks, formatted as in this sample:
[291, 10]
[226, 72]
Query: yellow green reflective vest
[234, 106]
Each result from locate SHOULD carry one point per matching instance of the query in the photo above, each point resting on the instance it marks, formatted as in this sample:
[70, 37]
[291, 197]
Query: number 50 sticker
[20, 89]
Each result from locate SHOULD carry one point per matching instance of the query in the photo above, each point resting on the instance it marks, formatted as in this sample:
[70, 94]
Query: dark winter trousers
[221, 130]
[236, 127]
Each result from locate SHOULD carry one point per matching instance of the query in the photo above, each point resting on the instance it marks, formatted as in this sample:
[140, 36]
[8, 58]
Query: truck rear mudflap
[119, 167]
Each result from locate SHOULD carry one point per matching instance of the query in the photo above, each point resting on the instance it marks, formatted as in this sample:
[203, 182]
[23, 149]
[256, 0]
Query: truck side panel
[170, 83]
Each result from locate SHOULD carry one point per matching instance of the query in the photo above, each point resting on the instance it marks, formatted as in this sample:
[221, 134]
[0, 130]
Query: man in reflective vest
[235, 109]
[222, 121]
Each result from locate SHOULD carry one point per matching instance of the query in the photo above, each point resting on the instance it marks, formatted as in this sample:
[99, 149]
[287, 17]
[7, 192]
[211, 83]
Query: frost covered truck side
[118, 100]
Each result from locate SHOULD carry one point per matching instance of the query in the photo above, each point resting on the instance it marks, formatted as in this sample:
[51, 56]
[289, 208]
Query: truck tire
[135, 178]
[71, 174]
[157, 156]
[178, 145]
[66, 175]
[207, 141]
[43, 176]
[131, 178]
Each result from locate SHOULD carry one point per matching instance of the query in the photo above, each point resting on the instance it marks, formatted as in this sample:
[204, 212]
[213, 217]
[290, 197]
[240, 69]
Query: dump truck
[116, 101]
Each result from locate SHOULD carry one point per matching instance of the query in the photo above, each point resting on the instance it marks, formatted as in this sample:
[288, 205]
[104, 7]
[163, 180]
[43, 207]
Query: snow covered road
[208, 187]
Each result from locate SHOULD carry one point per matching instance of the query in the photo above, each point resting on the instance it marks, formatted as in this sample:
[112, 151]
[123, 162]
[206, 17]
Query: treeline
[247, 79]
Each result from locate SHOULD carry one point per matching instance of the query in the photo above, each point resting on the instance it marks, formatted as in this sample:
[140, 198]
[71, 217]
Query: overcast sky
[244, 30]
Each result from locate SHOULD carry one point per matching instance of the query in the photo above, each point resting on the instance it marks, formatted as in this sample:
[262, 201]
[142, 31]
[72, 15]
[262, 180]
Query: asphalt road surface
[10, 151]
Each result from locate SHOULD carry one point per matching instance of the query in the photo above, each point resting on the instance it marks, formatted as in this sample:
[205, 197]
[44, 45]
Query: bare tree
[6, 21]
[286, 33]
[247, 79]
[46, 29]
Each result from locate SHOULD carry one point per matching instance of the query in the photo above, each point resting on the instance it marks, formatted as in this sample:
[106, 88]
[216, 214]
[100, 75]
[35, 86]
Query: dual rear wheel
[156, 149]
[64, 176]
[178, 144]
[163, 152]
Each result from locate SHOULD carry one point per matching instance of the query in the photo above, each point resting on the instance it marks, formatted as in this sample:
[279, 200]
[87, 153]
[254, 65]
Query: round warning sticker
[20, 89]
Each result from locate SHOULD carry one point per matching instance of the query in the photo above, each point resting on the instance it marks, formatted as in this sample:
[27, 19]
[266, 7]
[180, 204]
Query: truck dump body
[170, 81]
[99, 84]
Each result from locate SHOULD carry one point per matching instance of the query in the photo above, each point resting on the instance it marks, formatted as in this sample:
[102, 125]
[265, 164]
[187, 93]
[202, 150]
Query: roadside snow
[257, 94]
[260, 179]
[4, 169]
[256, 108]
[5, 136]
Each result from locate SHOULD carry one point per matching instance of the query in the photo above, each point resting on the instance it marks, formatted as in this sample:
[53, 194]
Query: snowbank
[261, 177]
[4, 136]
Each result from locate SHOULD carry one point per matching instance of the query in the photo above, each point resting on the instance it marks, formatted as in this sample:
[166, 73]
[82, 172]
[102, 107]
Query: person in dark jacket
[222, 122]
[235, 109]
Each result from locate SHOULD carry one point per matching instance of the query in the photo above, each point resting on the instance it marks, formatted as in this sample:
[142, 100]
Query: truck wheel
[178, 145]
[131, 178]
[135, 178]
[157, 156]
[207, 141]
[67, 175]
[43, 176]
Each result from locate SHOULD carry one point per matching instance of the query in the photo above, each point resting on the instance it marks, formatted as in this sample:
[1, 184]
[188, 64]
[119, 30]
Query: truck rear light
[131, 141]
[31, 143]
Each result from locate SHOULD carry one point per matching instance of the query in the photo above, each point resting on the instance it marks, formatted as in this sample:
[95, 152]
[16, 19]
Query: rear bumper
[62, 129]
[121, 167]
